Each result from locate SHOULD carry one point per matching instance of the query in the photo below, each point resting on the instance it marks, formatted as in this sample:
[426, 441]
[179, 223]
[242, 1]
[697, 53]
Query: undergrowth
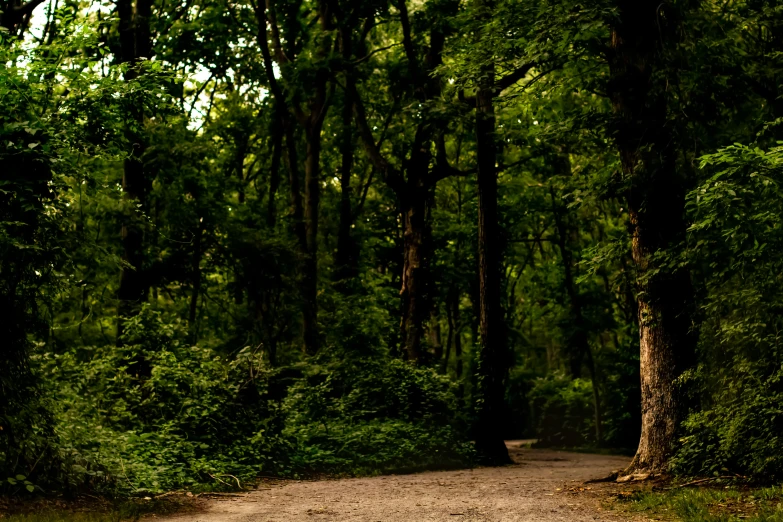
[159, 414]
[728, 504]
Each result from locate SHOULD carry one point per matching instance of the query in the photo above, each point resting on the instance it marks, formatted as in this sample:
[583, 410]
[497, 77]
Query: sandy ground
[541, 486]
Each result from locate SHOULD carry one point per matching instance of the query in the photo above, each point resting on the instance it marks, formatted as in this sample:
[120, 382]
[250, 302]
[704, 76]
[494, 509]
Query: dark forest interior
[244, 238]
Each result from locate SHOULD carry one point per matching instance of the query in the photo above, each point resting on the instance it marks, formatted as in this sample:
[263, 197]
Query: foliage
[727, 504]
[158, 413]
[370, 416]
[262, 168]
[561, 409]
[736, 236]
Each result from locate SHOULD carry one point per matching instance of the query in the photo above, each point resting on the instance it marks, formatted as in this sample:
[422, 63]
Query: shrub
[563, 411]
[157, 413]
[371, 416]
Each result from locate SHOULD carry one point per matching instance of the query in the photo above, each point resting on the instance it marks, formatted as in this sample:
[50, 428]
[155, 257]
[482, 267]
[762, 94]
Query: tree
[288, 97]
[493, 361]
[414, 183]
[135, 47]
[655, 192]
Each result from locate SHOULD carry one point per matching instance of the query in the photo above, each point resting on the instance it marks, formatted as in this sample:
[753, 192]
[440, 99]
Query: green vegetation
[102, 512]
[300, 237]
[710, 505]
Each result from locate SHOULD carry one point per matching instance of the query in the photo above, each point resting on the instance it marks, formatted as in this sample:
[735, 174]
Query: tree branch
[512, 78]
[407, 42]
[375, 51]
[443, 168]
[263, 42]
[280, 55]
[391, 175]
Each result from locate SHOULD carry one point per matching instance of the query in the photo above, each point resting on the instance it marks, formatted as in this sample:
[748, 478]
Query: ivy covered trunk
[655, 190]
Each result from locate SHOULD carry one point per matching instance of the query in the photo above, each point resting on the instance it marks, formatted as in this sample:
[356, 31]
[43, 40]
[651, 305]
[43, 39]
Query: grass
[726, 504]
[120, 512]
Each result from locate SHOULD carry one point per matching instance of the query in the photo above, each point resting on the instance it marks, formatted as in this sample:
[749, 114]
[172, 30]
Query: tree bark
[656, 203]
[493, 359]
[274, 173]
[196, 289]
[417, 242]
[346, 256]
[135, 45]
[310, 276]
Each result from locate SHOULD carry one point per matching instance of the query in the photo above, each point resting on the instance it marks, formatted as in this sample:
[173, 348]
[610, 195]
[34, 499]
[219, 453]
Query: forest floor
[541, 486]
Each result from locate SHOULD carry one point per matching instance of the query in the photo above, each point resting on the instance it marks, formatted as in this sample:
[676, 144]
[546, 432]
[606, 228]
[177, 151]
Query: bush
[371, 416]
[743, 436]
[563, 411]
[736, 240]
[159, 414]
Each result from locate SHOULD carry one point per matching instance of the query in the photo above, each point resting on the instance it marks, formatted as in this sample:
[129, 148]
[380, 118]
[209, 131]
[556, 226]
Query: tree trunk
[345, 258]
[656, 204]
[444, 365]
[135, 45]
[196, 289]
[310, 275]
[294, 183]
[415, 273]
[274, 173]
[493, 359]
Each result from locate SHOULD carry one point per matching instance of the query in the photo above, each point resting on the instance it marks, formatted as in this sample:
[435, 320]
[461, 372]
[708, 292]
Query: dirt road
[541, 486]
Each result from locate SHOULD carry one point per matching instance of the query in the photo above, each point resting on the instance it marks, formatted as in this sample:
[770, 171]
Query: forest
[296, 238]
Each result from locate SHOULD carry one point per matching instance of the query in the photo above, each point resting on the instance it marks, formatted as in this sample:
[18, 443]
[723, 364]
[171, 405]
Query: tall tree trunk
[493, 361]
[457, 338]
[294, 183]
[135, 45]
[196, 288]
[310, 276]
[656, 204]
[274, 172]
[415, 290]
[345, 258]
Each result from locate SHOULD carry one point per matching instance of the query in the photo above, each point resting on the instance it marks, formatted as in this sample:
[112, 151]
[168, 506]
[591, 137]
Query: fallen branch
[168, 493]
[217, 477]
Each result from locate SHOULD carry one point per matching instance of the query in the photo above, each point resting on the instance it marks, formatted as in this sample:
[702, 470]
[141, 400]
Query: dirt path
[541, 486]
